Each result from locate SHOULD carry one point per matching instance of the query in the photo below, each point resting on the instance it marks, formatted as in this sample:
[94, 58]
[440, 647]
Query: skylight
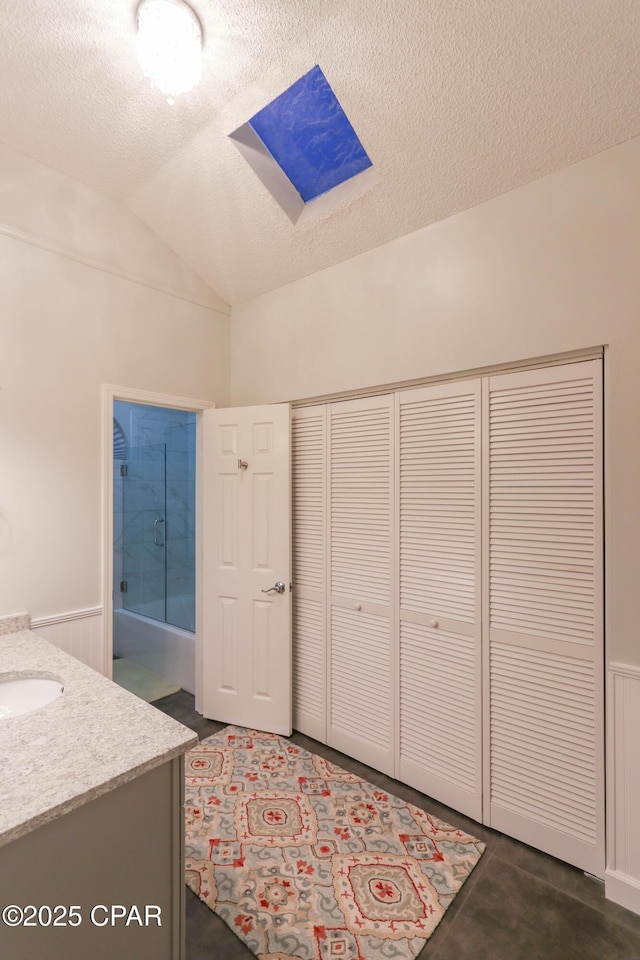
[303, 147]
[308, 134]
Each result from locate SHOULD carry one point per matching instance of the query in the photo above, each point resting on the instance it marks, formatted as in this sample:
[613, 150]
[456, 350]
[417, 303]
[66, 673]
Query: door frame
[111, 392]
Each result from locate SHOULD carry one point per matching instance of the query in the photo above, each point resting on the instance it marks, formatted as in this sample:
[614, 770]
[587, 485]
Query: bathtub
[161, 647]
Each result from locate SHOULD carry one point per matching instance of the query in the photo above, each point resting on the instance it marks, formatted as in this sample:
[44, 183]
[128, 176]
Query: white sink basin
[20, 695]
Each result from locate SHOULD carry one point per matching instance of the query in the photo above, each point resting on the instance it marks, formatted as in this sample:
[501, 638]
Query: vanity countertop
[93, 738]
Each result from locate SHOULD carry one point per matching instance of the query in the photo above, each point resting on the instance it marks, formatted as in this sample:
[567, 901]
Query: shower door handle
[158, 543]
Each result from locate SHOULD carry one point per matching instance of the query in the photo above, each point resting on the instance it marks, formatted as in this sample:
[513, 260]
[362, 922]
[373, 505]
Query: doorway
[268, 648]
[154, 498]
[151, 545]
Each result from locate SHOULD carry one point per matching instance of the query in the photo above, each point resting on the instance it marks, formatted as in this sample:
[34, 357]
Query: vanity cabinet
[120, 851]
[91, 816]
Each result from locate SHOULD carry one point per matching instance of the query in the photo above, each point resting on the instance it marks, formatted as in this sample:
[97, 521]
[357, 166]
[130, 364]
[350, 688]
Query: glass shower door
[145, 531]
[180, 551]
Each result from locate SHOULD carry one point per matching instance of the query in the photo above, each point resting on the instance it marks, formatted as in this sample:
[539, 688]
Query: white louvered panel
[361, 694]
[361, 445]
[440, 742]
[543, 594]
[543, 518]
[543, 740]
[361, 454]
[440, 720]
[309, 522]
[309, 498]
[309, 667]
[439, 500]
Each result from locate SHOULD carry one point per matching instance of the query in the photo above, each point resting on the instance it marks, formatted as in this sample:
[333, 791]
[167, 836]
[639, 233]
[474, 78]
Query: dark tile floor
[518, 904]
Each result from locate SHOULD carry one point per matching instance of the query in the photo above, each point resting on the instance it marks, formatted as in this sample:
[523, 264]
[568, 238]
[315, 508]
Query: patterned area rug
[305, 861]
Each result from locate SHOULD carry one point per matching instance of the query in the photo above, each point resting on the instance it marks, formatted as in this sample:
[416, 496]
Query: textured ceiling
[455, 102]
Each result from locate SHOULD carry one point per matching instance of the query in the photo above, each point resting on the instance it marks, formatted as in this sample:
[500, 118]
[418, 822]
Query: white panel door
[544, 610]
[309, 506]
[247, 535]
[440, 710]
[362, 669]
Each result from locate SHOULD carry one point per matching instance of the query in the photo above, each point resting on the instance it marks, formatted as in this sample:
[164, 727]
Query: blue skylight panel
[308, 134]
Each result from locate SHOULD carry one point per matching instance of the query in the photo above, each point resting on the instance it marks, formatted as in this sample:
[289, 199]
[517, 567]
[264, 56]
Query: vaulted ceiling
[454, 101]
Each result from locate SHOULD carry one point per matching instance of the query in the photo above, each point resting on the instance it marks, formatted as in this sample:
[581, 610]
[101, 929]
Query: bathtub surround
[160, 647]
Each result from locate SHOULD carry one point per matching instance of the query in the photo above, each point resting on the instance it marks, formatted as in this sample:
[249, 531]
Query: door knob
[278, 587]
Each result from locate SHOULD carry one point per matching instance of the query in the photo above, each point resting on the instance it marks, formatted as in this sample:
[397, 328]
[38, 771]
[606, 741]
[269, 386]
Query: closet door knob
[434, 623]
[358, 606]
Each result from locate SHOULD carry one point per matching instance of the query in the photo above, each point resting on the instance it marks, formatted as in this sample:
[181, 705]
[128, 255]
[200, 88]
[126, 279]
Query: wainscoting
[79, 633]
[622, 878]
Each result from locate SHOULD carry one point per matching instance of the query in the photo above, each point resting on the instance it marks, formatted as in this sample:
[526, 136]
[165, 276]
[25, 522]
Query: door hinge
[123, 586]
[290, 588]
[123, 469]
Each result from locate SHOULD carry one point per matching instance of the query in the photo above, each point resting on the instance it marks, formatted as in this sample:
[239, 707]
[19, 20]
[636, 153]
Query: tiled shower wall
[145, 427]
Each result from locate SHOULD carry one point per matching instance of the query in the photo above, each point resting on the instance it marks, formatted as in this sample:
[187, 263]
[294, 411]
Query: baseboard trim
[65, 617]
[622, 889]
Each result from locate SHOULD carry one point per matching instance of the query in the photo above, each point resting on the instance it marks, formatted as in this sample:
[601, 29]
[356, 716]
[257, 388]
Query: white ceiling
[455, 102]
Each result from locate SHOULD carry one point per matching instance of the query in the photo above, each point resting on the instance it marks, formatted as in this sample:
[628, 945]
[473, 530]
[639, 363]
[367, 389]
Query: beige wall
[48, 209]
[551, 267]
[67, 327]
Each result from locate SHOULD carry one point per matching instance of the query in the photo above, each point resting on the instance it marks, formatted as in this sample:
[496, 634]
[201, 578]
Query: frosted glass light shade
[170, 45]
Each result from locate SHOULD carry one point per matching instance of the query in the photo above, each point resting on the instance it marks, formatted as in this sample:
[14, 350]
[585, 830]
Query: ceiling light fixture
[170, 46]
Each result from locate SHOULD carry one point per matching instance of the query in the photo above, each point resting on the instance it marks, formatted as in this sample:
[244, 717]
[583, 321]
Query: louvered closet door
[543, 490]
[440, 623]
[309, 469]
[362, 669]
